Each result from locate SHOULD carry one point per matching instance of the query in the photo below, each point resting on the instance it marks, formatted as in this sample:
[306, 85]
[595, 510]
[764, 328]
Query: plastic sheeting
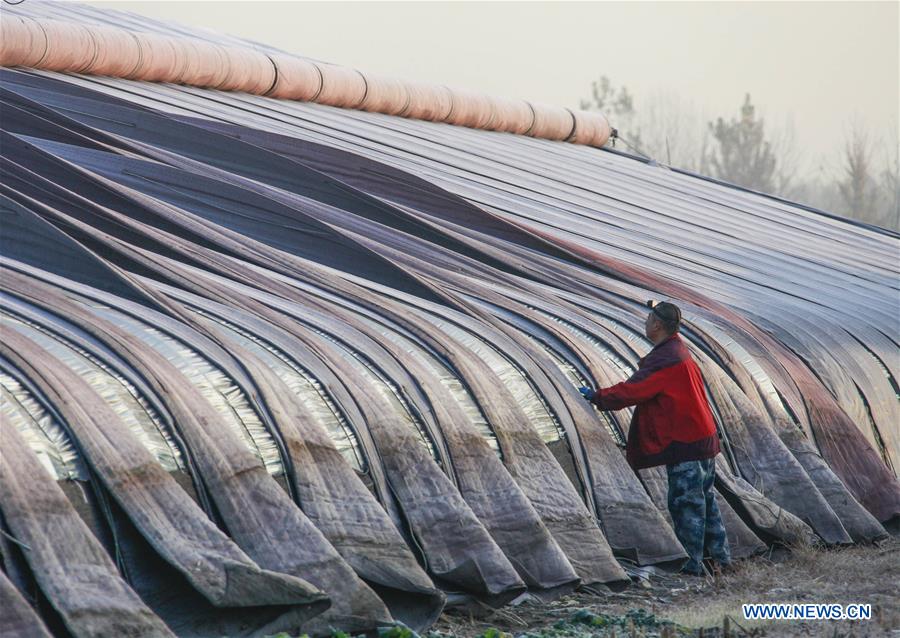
[307, 388]
[115, 391]
[217, 388]
[510, 375]
[387, 390]
[450, 381]
[40, 431]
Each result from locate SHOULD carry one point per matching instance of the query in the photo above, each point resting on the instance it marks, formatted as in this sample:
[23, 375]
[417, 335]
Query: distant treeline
[861, 180]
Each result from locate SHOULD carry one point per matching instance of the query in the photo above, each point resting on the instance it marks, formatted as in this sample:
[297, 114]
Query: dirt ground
[666, 605]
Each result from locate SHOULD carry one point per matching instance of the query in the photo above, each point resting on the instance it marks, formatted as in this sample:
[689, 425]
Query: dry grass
[852, 575]
[849, 575]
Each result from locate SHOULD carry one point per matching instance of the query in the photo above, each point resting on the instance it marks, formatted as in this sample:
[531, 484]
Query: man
[673, 426]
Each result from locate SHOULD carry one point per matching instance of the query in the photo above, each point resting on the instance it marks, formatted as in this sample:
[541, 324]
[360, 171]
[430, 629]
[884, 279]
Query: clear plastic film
[762, 380]
[385, 388]
[512, 377]
[540, 335]
[213, 384]
[121, 396]
[43, 434]
[402, 338]
[447, 379]
[305, 386]
[570, 371]
[608, 355]
[578, 381]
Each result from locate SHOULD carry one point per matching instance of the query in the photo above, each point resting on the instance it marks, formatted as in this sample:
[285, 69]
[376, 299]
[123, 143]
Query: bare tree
[665, 127]
[858, 187]
[748, 152]
[890, 183]
[783, 140]
[673, 130]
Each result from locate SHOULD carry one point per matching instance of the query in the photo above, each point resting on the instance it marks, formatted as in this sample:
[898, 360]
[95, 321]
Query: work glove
[587, 393]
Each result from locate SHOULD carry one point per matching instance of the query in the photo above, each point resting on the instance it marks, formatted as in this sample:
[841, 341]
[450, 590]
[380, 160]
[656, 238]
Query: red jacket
[672, 422]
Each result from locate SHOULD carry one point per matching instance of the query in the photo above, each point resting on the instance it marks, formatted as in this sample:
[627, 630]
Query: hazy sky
[821, 64]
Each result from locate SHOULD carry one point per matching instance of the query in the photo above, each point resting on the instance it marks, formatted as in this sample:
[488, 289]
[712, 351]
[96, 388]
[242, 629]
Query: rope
[15, 540]
[615, 135]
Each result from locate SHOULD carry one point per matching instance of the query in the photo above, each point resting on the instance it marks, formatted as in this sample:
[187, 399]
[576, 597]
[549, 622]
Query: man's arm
[628, 393]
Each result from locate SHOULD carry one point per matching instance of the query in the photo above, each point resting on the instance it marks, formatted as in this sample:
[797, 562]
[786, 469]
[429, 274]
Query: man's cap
[668, 313]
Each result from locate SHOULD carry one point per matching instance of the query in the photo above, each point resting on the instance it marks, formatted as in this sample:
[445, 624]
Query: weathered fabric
[17, 617]
[695, 513]
[69, 564]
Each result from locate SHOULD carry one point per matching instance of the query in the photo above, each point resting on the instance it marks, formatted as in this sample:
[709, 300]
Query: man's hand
[587, 393]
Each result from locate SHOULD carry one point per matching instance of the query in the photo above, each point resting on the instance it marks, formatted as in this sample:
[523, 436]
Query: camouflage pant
[692, 504]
